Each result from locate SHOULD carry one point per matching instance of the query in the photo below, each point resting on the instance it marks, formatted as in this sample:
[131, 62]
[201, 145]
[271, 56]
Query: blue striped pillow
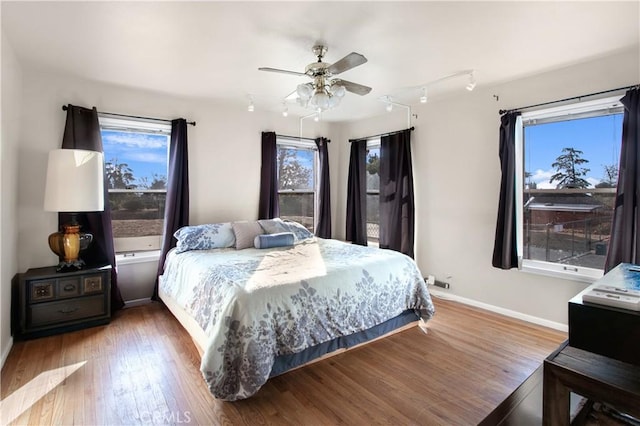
[282, 239]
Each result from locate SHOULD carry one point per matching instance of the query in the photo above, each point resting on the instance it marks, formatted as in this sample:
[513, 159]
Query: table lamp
[75, 183]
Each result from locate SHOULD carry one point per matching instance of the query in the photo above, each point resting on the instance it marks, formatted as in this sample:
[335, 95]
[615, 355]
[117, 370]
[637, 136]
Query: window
[567, 159]
[373, 190]
[298, 165]
[136, 156]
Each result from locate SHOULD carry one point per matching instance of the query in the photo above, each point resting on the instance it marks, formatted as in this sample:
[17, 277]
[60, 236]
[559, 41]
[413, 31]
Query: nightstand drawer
[56, 312]
[68, 287]
[42, 290]
[92, 284]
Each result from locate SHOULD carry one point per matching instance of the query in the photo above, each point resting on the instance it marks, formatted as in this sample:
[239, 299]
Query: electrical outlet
[442, 284]
[430, 280]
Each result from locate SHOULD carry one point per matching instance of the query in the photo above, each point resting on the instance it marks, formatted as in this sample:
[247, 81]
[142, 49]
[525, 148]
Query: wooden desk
[591, 375]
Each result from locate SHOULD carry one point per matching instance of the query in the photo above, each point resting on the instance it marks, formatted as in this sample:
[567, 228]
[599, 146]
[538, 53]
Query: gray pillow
[273, 226]
[245, 233]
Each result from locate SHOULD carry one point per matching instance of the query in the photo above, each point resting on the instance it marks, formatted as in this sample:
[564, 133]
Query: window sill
[137, 257]
[584, 275]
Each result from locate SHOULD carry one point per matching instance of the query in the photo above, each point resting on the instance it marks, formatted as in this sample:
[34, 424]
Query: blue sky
[145, 153]
[598, 138]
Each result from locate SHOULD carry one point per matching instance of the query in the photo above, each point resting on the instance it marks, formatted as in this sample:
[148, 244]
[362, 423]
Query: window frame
[311, 146]
[124, 245]
[585, 109]
[372, 144]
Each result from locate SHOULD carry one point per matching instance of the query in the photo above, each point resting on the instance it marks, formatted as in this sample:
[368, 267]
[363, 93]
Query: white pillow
[204, 237]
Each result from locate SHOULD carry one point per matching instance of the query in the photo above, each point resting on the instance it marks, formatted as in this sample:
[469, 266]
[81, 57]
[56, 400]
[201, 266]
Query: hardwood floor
[143, 368]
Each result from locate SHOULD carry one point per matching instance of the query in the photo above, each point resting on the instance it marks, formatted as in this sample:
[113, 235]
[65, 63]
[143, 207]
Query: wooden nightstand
[51, 302]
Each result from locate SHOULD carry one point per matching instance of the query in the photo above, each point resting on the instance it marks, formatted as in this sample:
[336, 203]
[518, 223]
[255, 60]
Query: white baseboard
[5, 352]
[497, 309]
[136, 302]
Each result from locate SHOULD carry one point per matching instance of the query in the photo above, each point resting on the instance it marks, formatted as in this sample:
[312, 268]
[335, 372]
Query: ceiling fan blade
[280, 71]
[356, 88]
[352, 60]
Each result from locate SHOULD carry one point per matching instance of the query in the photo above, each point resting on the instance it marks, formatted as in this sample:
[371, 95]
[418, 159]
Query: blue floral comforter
[257, 304]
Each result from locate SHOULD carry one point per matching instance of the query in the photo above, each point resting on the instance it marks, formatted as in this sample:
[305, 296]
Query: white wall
[456, 168]
[10, 112]
[224, 150]
[457, 180]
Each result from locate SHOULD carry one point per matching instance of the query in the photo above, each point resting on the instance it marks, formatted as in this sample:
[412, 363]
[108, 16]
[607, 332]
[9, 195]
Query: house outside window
[298, 181]
[567, 171]
[136, 156]
[373, 190]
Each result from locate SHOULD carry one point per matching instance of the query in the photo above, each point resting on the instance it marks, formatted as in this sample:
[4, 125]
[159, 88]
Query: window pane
[296, 169]
[135, 214]
[297, 206]
[571, 171]
[373, 190]
[297, 184]
[135, 160]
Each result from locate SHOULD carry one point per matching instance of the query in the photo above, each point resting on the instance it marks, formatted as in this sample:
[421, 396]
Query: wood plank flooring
[143, 368]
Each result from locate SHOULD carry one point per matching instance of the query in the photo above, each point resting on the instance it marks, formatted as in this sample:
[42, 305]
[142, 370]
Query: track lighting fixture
[251, 107]
[423, 97]
[285, 110]
[472, 81]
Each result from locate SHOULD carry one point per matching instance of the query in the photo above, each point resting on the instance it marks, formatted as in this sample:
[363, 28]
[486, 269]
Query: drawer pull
[69, 287]
[67, 310]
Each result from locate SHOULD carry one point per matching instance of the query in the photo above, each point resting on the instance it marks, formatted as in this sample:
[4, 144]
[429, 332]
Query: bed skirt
[284, 363]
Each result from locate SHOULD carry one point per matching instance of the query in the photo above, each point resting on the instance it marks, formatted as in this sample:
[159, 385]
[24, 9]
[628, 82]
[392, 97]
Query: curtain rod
[504, 111]
[381, 134]
[297, 138]
[193, 123]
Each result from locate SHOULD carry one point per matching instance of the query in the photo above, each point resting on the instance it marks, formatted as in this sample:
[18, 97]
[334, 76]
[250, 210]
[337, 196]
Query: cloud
[147, 157]
[134, 140]
[541, 178]
[593, 181]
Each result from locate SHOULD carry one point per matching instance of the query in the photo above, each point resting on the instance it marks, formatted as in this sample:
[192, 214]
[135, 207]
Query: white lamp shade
[75, 181]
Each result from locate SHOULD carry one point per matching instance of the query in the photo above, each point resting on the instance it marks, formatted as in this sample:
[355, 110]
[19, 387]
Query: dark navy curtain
[268, 205]
[624, 245]
[323, 229]
[176, 210]
[356, 194]
[397, 205]
[505, 255]
[82, 131]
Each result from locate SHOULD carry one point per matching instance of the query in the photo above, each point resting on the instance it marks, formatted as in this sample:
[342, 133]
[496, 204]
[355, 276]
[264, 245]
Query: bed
[258, 312]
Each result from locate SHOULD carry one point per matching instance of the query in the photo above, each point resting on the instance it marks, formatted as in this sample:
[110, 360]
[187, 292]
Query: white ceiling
[214, 49]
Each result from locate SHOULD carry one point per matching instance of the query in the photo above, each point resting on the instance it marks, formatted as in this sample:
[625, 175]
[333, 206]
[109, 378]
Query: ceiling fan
[325, 92]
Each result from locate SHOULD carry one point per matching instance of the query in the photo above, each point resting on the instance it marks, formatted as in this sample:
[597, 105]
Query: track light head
[251, 107]
[423, 96]
[472, 82]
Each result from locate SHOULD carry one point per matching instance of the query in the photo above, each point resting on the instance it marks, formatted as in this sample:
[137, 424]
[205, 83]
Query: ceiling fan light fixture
[323, 93]
[338, 90]
[320, 100]
[304, 90]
